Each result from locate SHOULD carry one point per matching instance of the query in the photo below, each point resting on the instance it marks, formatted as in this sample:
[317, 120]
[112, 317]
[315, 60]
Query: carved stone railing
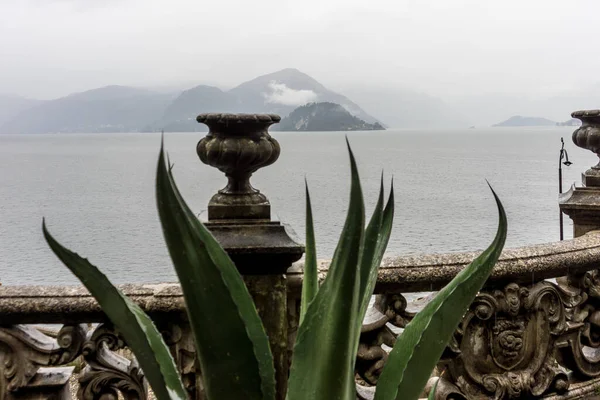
[523, 336]
[38, 361]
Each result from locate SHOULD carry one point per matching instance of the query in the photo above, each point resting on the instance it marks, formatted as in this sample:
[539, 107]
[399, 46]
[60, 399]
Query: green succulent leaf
[323, 361]
[375, 242]
[433, 390]
[135, 326]
[310, 282]
[234, 353]
[419, 347]
[376, 238]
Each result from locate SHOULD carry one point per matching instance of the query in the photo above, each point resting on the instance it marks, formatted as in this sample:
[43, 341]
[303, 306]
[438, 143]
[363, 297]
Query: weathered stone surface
[582, 205]
[270, 297]
[66, 304]
[59, 304]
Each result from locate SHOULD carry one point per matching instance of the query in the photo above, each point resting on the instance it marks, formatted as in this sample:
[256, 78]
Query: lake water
[96, 192]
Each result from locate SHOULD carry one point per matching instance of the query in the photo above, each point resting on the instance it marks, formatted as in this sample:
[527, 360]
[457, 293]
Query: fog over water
[486, 59]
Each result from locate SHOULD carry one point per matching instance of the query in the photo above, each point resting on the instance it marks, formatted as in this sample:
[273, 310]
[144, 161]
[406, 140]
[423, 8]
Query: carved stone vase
[238, 145]
[239, 216]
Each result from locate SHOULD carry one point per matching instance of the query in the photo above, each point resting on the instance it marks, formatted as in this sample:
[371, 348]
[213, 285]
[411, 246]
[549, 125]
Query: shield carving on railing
[507, 343]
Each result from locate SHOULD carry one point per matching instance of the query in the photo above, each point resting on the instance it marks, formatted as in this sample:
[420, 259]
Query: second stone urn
[587, 136]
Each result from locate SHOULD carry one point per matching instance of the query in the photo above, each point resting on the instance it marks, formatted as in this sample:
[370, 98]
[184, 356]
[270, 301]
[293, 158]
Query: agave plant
[234, 355]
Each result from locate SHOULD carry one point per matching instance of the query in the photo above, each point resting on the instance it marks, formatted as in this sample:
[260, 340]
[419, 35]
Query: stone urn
[587, 136]
[239, 216]
[238, 145]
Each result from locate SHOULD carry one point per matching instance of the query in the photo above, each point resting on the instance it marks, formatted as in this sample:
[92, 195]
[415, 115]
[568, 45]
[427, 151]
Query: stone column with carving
[239, 216]
[582, 203]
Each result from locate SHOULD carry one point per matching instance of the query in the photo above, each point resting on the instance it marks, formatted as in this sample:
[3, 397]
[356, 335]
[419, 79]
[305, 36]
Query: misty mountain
[127, 109]
[518, 120]
[280, 92]
[11, 105]
[107, 109]
[324, 116]
[402, 108]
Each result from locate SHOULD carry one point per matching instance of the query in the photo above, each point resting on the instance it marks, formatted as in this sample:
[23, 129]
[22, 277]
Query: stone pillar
[239, 217]
[582, 203]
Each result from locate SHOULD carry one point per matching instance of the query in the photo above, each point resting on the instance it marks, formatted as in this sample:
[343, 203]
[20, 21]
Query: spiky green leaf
[135, 326]
[323, 361]
[433, 390]
[376, 238]
[375, 242]
[310, 281]
[421, 344]
[234, 353]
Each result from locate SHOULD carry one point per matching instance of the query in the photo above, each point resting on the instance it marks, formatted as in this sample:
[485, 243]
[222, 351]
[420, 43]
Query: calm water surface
[96, 192]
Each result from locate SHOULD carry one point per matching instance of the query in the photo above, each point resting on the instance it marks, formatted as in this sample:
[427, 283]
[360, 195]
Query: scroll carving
[377, 336]
[580, 347]
[25, 354]
[107, 372]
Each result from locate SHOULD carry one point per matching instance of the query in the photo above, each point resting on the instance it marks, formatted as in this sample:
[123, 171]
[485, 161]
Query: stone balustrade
[524, 336]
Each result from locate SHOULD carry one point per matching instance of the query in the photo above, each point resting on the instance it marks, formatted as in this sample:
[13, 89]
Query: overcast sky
[49, 48]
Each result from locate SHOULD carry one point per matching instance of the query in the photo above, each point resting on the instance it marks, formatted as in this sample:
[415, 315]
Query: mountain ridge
[108, 109]
[117, 108]
[278, 92]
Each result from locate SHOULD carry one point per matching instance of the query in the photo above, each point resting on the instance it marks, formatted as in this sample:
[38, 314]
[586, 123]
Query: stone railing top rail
[430, 272]
[64, 304]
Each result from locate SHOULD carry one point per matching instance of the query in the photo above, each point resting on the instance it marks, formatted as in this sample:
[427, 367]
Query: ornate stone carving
[375, 332]
[507, 343]
[24, 351]
[580, 346]
[107, 372]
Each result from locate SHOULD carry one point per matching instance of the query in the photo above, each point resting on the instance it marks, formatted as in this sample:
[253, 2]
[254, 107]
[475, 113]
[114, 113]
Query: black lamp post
[563, 155]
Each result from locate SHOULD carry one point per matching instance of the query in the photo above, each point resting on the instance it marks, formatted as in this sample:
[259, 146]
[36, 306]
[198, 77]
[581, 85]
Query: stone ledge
[430, 272]
[64, 304]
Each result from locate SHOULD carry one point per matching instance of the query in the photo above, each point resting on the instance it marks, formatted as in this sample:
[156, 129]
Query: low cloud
[282, 94]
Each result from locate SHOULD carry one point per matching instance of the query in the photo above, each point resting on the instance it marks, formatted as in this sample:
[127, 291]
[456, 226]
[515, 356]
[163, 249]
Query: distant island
[325, 116]
[571, 122]
[518, 120]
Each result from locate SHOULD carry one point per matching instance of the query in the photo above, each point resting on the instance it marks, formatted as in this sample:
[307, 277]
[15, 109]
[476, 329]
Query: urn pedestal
[582, 203]
[239, 216]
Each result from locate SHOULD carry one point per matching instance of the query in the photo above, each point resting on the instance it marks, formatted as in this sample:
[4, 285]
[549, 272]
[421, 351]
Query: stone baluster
[239, 216]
